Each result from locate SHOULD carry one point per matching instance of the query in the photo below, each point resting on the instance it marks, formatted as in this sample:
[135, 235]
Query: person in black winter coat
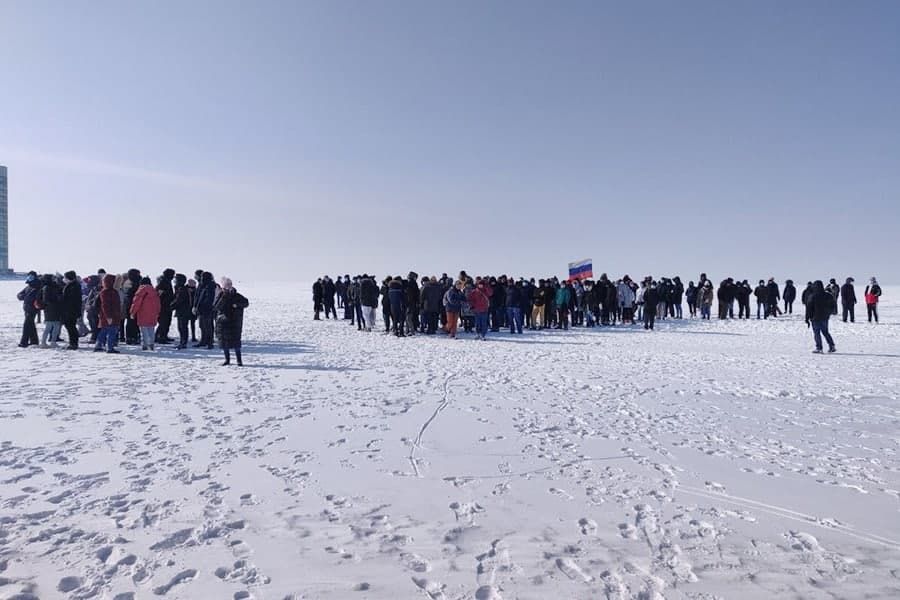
[318, 292]
[71, 308]
[725, 297]
[397, 297]
[498, 303]
[677, 296]
[329, 290]
[386, 304]
[229, 309]
[166, 297]
[789, 295]
[368, 298]
[835, 290]
[690, 295]
[651, 302]
[50, 301]
[432, 297]
[204, 305]
[807, 292]
[181, 305]
[762, 300]
[819, 307]
[848, 300]
[773, 296]
[132, 331]
[28, 297]
[412, 302]
[742, 293]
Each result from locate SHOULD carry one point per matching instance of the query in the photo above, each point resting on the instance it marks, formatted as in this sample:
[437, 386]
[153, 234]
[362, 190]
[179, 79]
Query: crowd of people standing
[491, 303]
[129, 308]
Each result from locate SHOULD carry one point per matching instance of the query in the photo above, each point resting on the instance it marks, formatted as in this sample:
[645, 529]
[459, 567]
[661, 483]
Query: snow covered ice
[703, 460]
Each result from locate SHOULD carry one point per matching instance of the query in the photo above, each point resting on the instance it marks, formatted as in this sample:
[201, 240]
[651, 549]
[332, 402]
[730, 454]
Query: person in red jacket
[145, 309]
[479, 300]
[110, 316]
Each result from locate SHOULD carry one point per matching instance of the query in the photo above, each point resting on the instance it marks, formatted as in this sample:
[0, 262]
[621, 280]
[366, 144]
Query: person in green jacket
[562, 306]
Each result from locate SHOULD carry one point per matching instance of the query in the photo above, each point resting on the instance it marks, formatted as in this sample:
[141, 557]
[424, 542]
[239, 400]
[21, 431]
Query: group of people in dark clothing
[110, 309]
[490, 303]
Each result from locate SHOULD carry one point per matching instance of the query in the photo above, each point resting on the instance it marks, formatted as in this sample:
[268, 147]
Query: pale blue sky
[284, 139]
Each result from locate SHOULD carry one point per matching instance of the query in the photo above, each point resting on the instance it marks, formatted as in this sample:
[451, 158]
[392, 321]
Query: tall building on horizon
[4, 222]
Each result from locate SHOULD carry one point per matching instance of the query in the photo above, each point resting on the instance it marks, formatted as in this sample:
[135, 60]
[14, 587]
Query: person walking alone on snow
[819, 308]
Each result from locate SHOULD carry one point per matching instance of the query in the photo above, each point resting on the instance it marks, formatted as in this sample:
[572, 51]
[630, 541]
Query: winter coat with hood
[206, 295]
[514, 296]
[562, 297]
[134, 280]
[110, 312]
[145, 306]
[479, 299]
[229, 309]
[774, 295]
[164, 288]
[690, 294]
[28, 295]
[790, 292]
[432, 296]
[820, 304]
[762, 294]
[51, 300]
[626, 295]
[873, 293]
[453, 300]
[612, 296]
[412, 291]
[397, 295]
[328, 289]
[71, 300]
[705, 295]
[651, 299]
[368, 292]
[181, 303]
[848, 294]
[677, 291]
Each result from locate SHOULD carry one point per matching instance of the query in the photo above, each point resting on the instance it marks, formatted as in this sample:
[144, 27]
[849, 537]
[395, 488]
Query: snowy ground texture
[704, 460]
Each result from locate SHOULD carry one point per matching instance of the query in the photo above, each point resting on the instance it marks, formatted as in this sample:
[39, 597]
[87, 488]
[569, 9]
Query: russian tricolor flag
[583, 269]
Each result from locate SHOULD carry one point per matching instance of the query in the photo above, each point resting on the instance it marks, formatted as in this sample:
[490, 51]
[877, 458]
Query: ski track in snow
[703, 460]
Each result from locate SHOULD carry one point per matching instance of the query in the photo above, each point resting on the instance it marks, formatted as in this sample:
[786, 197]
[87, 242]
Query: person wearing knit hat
[229, 309]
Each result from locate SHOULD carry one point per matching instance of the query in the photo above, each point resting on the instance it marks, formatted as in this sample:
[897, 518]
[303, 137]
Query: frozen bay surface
[703, 460]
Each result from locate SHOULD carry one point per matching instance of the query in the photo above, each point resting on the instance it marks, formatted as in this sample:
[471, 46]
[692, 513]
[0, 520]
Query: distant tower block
[4, 223]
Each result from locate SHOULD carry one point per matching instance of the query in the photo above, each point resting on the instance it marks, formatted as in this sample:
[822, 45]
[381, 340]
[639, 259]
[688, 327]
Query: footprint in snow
[561, 493]
[571, 570]
[184, 577]
[588, 526]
